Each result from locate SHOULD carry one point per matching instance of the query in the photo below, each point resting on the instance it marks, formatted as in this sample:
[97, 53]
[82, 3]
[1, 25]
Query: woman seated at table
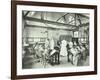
[83, 51]
[73, 53]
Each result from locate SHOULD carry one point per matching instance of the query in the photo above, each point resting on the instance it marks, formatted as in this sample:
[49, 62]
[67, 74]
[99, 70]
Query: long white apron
[63, 51]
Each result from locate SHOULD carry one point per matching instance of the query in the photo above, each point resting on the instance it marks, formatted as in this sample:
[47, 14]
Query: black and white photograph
[55, 39]
[52, 40]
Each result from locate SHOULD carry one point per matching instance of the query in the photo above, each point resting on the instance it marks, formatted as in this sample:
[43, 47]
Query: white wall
[5, 40]
[32, 32]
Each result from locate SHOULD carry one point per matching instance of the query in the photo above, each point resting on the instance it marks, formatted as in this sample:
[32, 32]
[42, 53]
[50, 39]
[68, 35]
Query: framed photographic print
[52, 39]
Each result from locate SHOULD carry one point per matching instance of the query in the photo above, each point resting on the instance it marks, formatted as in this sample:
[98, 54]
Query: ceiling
[56, 20]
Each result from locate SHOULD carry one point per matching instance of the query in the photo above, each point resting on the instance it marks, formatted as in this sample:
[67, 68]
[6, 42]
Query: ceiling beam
[82, 15]
[26, 14]
[84, 24]
[48, 22]
[37, 26]
[62, 16]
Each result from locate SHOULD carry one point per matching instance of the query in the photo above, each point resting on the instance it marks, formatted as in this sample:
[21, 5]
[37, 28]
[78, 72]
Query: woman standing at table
[63, 50]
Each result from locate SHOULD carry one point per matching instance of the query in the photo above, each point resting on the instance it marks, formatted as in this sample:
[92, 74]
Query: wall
[32, 32]
[44, 33]
[5, 40]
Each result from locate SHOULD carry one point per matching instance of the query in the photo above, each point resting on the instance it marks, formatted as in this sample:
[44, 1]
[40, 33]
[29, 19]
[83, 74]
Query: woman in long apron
[63, 50]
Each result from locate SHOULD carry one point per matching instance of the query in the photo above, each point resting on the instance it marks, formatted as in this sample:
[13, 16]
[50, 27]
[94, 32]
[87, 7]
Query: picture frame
[17, 7]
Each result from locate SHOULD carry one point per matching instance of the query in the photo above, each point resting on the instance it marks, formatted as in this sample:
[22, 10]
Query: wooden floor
[29, 62]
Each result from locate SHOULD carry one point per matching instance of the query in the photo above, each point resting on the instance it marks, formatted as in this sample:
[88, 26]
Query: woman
[63, 51]
[73, 54]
